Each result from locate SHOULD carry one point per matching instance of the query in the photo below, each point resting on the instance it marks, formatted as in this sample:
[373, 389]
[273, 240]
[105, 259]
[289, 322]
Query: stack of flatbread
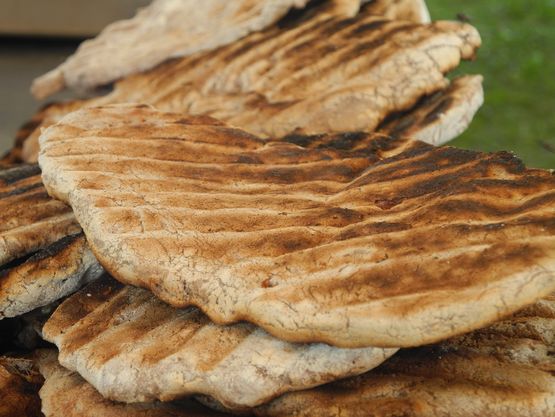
[258, 219]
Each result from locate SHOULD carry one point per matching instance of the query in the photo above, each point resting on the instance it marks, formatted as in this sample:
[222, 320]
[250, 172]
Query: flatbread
[19, 385]
[435, 119]
[324, 75]
[132, 347]
[30, 219]
[162, 30]
[178, 28]
[506, 370]
[353, 252]
[65, 393]
[47, 276]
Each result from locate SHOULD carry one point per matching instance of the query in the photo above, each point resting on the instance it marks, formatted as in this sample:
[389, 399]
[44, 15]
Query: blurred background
[517, 60]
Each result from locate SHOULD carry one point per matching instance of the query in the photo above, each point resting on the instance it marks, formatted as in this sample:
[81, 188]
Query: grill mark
[347, 141]
[275, 155]
[312, 172]
[79, 306]
[9, 266]
[30, 238]
[284, 203]
[438, 110]
[246, 46]
[306, 141]
[381, 54]
[211, 136]
[57, 247]
[295, 17]
[444, 168]
[228, 337]
[21, 190]
[184, 330]
[29, 197]
[96, 182]
[369, 27]
[401, 124]
[339, 141]
[128, 335]
[361, 48]
[18, 218]
[276, 40]
[13, 175]
[340, 55]
[383, 278]
[216, 221]
[95, 323]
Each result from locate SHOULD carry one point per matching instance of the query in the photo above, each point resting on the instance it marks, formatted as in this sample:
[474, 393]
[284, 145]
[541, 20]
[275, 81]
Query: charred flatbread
[47, 276]
[132, 347]
[403, 251]
[506, 370]
[177, 28]
[324, 75]
[164, 29]
[30, 219]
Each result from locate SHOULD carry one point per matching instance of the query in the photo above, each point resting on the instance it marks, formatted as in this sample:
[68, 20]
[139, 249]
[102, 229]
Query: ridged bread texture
[133, 347]
[164, 29]
[353, 251]
[30, 219]
[506, 370]
[325, 74]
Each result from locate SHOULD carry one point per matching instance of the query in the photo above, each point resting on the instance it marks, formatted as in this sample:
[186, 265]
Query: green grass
[517, 59]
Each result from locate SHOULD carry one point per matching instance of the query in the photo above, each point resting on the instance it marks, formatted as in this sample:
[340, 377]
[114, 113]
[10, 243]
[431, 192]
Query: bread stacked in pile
[258, 220]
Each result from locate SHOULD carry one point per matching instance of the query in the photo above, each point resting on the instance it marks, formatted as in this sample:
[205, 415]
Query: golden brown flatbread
[358, 251]
[324, 75]
[164, 29]
[47, 276]
[506, 370]
[132, 347]
[30, 219]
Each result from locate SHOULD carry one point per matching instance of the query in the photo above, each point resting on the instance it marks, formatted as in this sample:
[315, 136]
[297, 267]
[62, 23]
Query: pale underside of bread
[132, 347]
[506, 370]
[363, 250]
